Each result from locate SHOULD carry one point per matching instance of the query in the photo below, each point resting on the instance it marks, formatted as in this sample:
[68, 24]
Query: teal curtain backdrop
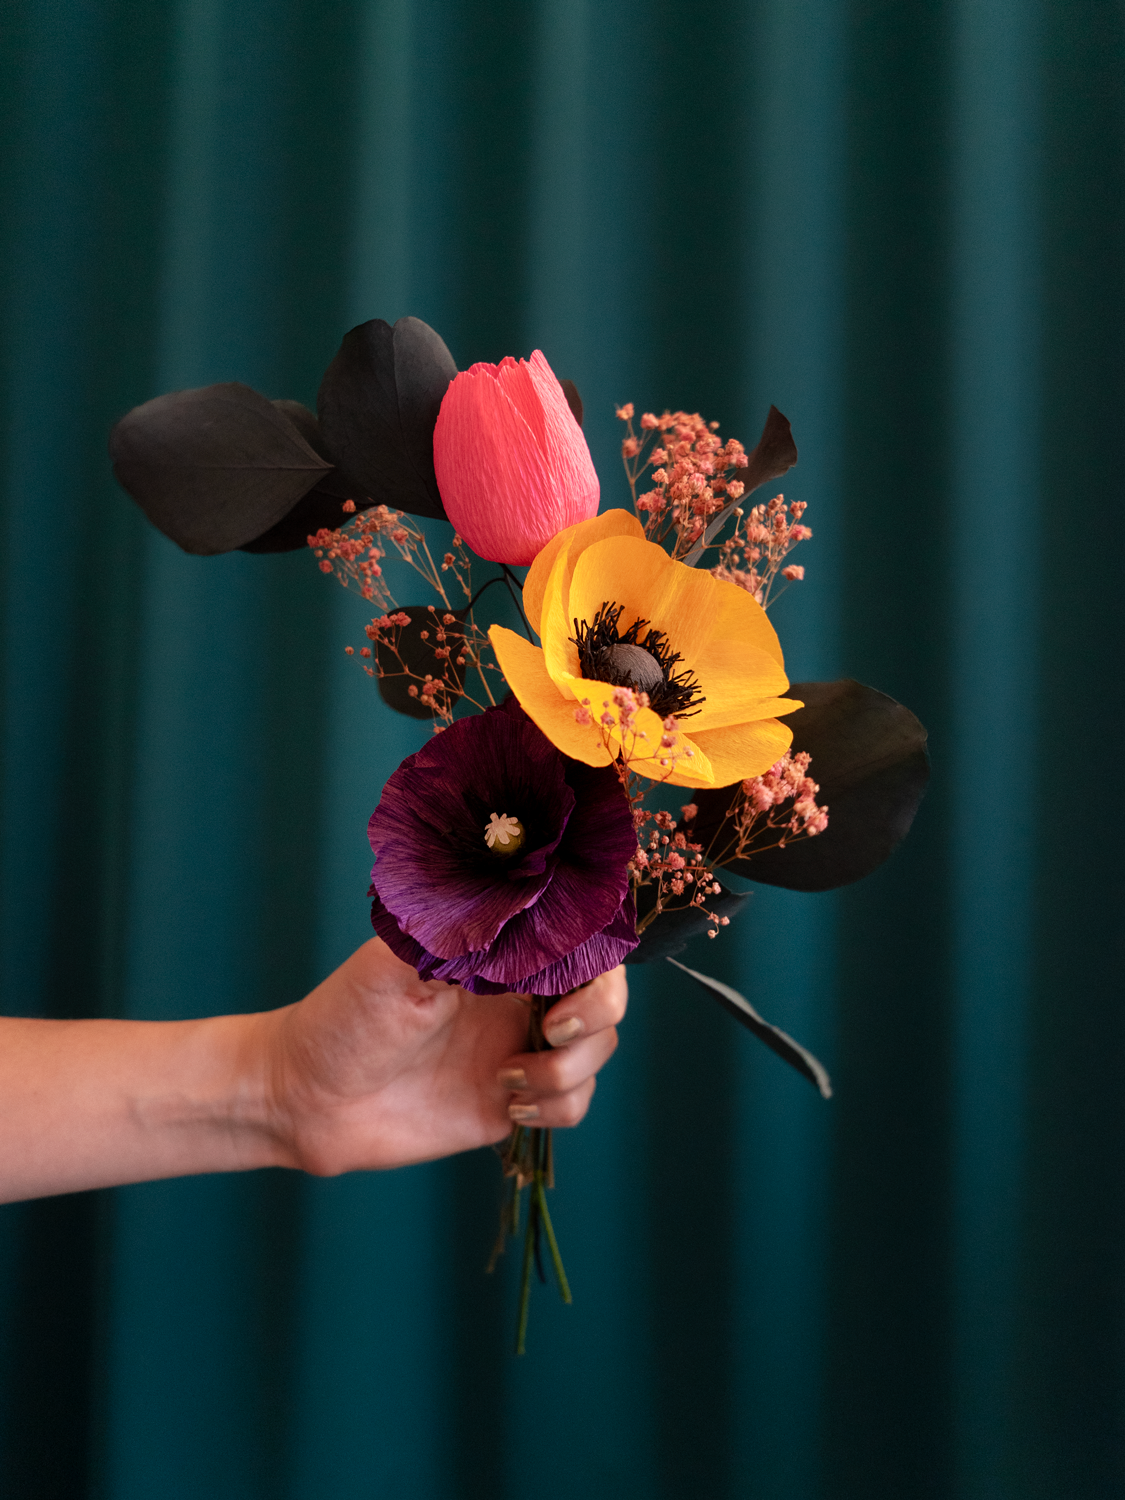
[905, 225]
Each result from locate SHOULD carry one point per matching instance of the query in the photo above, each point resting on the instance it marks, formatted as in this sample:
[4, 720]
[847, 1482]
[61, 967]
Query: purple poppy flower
[500, 863]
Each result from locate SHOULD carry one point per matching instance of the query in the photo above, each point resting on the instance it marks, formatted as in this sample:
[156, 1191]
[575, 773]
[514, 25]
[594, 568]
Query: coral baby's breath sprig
[754, 556]
[514, 851]
[673, 870]
[355, 551]
[694, 477]
[428, 659]
[626, 742]
[665, 864]
[769, 811]
[692, 474]
[429, 652]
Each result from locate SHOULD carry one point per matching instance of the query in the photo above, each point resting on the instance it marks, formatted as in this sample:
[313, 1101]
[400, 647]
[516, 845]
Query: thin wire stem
[516, 592]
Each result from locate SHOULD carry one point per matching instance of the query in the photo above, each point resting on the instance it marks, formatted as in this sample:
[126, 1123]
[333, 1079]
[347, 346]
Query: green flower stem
[514, 1222]
[553, 1244]
[529, 1158]
[525, 1277]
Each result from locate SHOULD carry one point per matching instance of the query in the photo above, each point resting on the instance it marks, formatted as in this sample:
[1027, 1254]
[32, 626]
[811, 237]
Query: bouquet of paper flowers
[535, 840]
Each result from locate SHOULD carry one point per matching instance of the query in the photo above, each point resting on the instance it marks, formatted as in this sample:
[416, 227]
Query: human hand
[375, 1068]
[378, 1068]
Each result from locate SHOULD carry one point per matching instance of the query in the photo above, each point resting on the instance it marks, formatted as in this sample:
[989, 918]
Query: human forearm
[88, 1104]
[375, 1068]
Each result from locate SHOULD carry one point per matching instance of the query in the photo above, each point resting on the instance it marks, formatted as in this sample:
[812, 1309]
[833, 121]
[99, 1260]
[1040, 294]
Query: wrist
[213, 1110]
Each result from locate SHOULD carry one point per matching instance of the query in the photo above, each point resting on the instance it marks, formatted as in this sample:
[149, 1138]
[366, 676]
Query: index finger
[595, 1006]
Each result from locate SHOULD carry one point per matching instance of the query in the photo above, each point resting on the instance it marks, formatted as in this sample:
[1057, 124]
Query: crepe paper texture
[216, 467]
[512, 464]
[378, 403]
[712, 719]
[553, 915]
[527, 847]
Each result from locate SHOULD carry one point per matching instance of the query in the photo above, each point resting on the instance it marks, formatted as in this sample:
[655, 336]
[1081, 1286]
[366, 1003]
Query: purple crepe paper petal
[432, 868]
[598, 954]
[457, 914]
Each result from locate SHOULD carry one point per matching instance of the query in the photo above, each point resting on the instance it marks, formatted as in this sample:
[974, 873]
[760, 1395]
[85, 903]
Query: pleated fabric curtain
[904, 225]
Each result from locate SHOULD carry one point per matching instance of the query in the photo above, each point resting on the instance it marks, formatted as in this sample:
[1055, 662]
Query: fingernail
[521, 1113]
[512, 1078]
[561, 1032]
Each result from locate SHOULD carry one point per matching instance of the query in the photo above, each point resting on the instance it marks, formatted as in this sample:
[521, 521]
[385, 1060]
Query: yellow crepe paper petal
[642, 742]
[610, 523]
[559, 650]
[688, 764]
[737, 752]
[743, 713]
[721, 634]
[641, 746]
[522, 664]
[739, 616]
[739, 682]
[642, 577]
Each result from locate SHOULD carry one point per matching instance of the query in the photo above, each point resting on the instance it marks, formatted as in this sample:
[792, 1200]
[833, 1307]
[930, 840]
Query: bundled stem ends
[528, 1161]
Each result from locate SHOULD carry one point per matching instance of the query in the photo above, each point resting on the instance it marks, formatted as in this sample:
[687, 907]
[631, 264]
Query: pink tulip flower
[512, 465]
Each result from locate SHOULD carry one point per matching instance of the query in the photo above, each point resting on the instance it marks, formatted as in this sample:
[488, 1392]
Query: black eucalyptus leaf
[673, 929]
[869, 758]
[418, 655]
[214, 468]
[305, 422]
[322, 506]
[773, 1037]
[775, 455]
[378, 403]
[573, 399]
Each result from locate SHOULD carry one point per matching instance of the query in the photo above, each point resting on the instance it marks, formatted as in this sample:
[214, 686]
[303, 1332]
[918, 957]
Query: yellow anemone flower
[613, 610]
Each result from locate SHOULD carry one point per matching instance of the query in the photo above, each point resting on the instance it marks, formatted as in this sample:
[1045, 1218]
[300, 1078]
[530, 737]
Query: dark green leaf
[673, 929]
[774, 1038]
[869, 758]
[213, 468]
[378, 404]
[418, 655]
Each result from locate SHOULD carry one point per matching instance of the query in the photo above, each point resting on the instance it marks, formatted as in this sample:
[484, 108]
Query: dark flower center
[639, 658]
[630, 666]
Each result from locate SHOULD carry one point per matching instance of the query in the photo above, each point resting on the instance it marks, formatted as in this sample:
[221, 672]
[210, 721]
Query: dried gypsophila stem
[692, 478]
[622, 726]
[753, 556]
[674, 867]
[670, 865]
[354, 553]
[770, 811]
[453, 643]
[767, 811]
[691, 474]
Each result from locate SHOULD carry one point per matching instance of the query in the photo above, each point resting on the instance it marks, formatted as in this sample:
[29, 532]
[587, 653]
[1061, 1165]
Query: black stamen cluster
[679, 692]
